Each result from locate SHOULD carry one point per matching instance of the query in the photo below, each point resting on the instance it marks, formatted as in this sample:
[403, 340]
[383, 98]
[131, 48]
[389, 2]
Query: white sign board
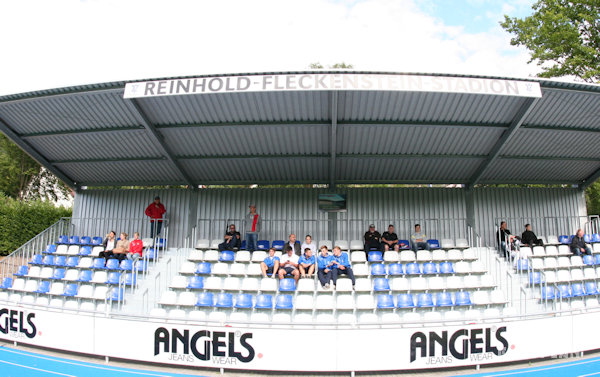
[331, 81]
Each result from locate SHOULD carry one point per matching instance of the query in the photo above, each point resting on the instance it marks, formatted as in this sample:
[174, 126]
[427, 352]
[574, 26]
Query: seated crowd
[122, 248]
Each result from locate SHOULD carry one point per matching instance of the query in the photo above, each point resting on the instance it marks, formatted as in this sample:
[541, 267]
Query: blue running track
[579, 367]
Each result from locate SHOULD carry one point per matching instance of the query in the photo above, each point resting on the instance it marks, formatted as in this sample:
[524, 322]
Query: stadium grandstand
[455, 154]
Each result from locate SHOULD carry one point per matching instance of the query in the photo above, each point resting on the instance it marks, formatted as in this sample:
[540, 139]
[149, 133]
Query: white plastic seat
[525, 252]
[148, 242]
[177, 314]
[268, 285]
[327, 243]
[304, 302]
[197, 315]
[34, 271]
[259, 256]
[28, 299]
[552, 240]
[576, 261]
[62, 249]
[231, 284]
[390, 318]
[399, 284]
[423, 256]
[470, 254]
[509, 312]
[595, 248]
[577, 304]
[253, 269]
[213, 283]
[391, 256]
[306, 318]
[477, 267]
[453, 315]
[42, 301]
[46, 272]
[305, 285]
[564, 250]
[168, 298]
[220, 269]
[366, 318]
[550, 263]
[324, 302]
[344, 302]
[447, 243]
[15, 297]
[211, 256]
[71, 275]
[549, 277]
[360, 270]
[412, 317]
[436, 283]
[18, 284]
[237, 269]
[96, 250]
[356, 245]
[344, 285]
[497, 297]
[243, 256]
[56, 303]
[431, 317]
[471, 281]
[30, 286]
[454, 282]
[592, 302]
[358, 257]
[187, 268]
[551, 250]
[71, 304]
[480, 298]
[564, 262]
[239, 317]
[454, 255]
[538, 251]
[462, 267]
[250, 284]
[214, 244]
[324, 318]
[362, 285]
[85, 263]
[563, 275]
[438, 255]
[101, 292]
[179, 282]
[57, 288]
[343, 245]
[537, 263]
[461, 243]
[577, 275]
[407, 256]
[195, 255]
[282, 318]
[487, 281]
[418, 284]
[217, 317]
[202, 244]
[186, 299]
[85, 291]
[589, 273]
[346, 319]
[73, 250]
[99, 277]
[491, 313]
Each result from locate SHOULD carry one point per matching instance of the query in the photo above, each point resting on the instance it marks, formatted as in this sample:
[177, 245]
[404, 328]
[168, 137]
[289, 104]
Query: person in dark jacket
[528, 238]
[578, 245]
[506, 240]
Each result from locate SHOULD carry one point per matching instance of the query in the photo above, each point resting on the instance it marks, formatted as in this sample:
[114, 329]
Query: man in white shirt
[288, 264]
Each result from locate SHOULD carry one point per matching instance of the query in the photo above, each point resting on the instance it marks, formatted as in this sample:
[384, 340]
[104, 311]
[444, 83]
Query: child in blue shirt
[325, 265]
[270, 264]
[306, 263]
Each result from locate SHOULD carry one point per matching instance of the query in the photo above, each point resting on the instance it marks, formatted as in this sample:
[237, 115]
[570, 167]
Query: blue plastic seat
[85, 250]
[243, 301]
[98, 263]
[74, 240]
[522, 264]
[588, 260]
[224, 300]
[577, 290]
[563, 239]
[284, 302]
[129, 279]
[591, 288]
[548, 293]
[424, 300]
[126, 265]
[413, 269]
[403, 244]
[44, 287]
[395, 269]
[375, 256]
[7, 283]
[196, 282]
[287, 285]
[378, 269]
[433, 244]
[96, 241]
[70, 290]
[381, 284]
[446, 268]
[587, 238]
[227, 256]
[385, 302]
[462, 298]
[443, 299]
[595, 237]
[243, 247]
[160, 243]
[112, 264]
[58, 274]
[116, 294]
[535, 278]
[203, 268]
[152, 253]
[113, 277]
[430, 268]
[60, 261]
[50, 249]
[63, 240]
[48, 260]
[564, 291]
[596, 258]
[262, 245]
[264, 301]
[205, 299]
[22, 271]
[405, 300]
[85, 276]
[278, 244]
[72, 261]
[85, 240]
[36, 259]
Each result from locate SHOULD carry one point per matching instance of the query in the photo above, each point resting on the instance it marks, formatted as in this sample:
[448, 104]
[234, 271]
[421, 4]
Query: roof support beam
[333, 138]
[524, 110]
[8, 131]
[161, 142]
[589, 180]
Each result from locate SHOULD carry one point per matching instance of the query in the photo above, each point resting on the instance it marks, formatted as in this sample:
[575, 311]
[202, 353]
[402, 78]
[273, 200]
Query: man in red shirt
[155, 211]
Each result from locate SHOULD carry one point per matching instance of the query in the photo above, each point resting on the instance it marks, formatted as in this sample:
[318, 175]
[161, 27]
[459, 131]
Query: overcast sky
[48, 44]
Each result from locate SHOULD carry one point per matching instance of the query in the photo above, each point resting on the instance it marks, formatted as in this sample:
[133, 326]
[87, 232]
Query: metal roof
[91, 135]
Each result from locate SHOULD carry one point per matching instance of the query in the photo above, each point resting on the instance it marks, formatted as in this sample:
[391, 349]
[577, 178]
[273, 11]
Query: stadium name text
[16, 321]
[326, 81]
[204, 344]
[460, 344]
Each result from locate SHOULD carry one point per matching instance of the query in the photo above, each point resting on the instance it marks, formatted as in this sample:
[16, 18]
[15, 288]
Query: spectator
[306, 263]
[270, 264]
[289, 264]
[389, 239]
[253, 223]
[529, 238]
[120, 252]
[136, 246]
[309, 244]
[232, 239]
[324, 265]
[155, 212]
[507, 240]
[418, 240]
[110, 242]
[341, 265]
[293, 244]
[578, 245]
[372, 239]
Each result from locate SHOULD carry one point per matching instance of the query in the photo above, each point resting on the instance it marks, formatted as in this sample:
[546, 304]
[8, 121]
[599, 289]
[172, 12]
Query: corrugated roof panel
[98, 145]
[566, 109]
[125, 172]
[68, 112]
[539, 171]
[416, 139]
[248, 140]
[426, 107]
[255, 170]
[238, 107]
[450, 170]
[557, 143]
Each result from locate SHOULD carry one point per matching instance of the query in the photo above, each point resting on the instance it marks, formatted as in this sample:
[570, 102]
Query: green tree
[563, 37]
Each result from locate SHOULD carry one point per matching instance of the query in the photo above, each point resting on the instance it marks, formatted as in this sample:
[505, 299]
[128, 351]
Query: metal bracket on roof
[334, 116]
[589, 180]
[515, 124]
[160, 141]
[8, 131]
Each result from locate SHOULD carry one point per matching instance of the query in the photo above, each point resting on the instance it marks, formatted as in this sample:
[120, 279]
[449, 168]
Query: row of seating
[85, 251]
[575, 261]
[72, 275]
[59, 299]
[536, 277]
[551, 292]
[551, 250]
[57, 288]
[97, 241]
